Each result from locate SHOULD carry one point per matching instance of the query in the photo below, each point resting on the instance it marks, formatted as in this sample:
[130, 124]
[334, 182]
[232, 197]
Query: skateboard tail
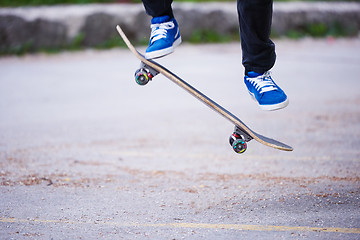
[127, 41]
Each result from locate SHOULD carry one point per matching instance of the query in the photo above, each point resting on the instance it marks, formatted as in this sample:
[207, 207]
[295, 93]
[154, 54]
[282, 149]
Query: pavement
[86, 153]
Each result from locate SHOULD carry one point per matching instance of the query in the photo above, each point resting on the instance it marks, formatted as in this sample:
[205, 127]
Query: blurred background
[55, 25]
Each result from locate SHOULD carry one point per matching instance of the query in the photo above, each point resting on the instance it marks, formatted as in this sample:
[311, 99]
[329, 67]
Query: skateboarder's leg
[255, 17]
[158, 8]
[165, 34]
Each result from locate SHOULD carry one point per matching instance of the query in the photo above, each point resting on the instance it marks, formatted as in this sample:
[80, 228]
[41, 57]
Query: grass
[16, 3]
[210, 36]
[76, 45]
[321, 30]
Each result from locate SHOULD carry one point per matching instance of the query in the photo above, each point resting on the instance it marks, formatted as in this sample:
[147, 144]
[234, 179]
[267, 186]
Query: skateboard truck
[145, 74]
[238, 140]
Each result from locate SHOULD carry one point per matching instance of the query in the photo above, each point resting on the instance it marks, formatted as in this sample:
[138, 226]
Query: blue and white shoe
[165, 36]
[265, 92]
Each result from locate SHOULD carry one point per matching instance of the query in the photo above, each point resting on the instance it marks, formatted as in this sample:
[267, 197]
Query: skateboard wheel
[238, 143]
[142, 77]
[239, 146]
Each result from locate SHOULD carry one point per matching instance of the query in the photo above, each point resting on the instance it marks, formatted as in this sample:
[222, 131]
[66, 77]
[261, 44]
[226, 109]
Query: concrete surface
[85, 153]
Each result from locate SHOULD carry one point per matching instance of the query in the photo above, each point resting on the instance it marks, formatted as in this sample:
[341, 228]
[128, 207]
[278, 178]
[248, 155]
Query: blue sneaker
[264, 90]
[165, 36]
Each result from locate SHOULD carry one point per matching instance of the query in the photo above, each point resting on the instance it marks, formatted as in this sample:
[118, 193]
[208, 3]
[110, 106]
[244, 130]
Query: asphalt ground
[86, 153]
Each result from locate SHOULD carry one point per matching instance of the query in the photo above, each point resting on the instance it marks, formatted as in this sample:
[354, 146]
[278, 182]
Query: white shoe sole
[163, 52]
[271, 107]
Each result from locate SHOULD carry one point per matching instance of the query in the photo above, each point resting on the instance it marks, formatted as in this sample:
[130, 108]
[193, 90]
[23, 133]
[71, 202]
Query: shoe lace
[263, 83]
[159, 30]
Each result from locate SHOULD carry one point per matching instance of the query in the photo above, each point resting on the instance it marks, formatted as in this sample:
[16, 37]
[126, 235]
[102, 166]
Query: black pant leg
[255, 17]
[157, 8]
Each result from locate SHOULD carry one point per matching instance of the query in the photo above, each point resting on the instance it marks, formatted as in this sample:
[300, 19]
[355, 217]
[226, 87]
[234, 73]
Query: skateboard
[242, 133]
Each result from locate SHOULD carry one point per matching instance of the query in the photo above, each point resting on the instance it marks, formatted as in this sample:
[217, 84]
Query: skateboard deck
[242, 133]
